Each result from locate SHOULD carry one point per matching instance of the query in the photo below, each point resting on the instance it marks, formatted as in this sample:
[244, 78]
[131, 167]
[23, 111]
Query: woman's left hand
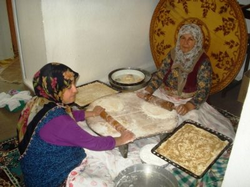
[98, 110]
[185, 108]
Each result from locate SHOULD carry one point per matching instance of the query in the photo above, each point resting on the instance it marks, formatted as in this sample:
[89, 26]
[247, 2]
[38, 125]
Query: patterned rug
[234, 119]
[10, 171]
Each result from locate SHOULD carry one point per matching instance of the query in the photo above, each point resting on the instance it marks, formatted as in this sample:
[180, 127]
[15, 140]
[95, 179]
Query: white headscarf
[185, 62]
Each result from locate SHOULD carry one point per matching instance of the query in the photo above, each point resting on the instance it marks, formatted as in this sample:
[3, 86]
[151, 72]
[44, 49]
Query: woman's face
[69, 94]
[187, 42]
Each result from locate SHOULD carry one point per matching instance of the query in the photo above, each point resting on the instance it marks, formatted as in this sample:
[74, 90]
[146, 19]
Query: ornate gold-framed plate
[223, 26]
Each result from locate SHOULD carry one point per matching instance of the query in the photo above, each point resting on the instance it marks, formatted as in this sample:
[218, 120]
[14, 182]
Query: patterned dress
[205, 114]
[203, 80]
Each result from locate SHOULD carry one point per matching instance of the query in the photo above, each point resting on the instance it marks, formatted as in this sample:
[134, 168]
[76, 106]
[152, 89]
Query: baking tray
[88, 95]
[220, 137]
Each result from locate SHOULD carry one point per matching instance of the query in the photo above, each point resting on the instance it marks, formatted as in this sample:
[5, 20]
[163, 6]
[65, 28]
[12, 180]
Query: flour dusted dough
[126, 108]
[192, 148]
[111, 104]
[154, 111]
[128, 79]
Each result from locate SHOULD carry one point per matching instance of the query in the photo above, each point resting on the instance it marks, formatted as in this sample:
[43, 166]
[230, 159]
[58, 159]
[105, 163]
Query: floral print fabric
[49, 83]
[52, 79]
[204, 79]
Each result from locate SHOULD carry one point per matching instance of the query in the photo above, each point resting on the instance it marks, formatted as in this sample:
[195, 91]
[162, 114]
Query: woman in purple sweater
[50, 141]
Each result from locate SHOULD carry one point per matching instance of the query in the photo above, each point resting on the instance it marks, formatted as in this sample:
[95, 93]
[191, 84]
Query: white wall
[238, 169]
[6, 49]
[92, 37]
[30, 31]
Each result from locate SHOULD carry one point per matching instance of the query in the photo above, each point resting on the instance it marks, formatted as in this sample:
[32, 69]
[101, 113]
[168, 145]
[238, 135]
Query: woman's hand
[98, 110]
[126, 137]
[144, 94]
[95, 112]
[185, 108]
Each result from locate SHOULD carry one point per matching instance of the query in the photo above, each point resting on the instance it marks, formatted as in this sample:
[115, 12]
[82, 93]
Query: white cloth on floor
[100, 168]
[14, 101]
[3, 97]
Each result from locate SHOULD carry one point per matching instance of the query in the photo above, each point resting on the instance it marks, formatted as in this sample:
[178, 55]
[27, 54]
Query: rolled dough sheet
[134, 114]
[92, 91]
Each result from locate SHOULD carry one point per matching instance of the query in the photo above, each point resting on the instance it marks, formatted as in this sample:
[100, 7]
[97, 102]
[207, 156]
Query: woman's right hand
[140, 94]
[143, 94]
[126, 137]
[184, 108]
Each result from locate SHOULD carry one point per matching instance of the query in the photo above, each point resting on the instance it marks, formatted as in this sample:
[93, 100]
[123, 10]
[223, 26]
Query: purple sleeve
[79, 115]
[64, 131]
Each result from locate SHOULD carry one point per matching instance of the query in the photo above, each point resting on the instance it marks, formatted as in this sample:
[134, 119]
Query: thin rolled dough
[154, 111]
[111, 104]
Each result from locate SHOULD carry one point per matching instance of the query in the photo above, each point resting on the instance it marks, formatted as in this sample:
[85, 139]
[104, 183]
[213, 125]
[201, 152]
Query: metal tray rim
[219, 135]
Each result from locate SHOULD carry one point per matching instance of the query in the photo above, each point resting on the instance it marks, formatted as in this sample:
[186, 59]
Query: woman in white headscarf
[185, 79]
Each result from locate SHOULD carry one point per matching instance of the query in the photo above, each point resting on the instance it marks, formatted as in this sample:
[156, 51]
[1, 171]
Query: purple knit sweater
[64, 131]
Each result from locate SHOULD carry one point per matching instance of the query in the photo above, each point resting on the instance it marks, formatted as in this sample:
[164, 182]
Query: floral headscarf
[50, 81]
[185, 62]
[49, 84]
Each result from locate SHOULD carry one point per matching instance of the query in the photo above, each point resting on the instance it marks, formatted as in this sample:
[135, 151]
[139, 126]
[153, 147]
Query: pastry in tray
[92, 91]
[192, 148]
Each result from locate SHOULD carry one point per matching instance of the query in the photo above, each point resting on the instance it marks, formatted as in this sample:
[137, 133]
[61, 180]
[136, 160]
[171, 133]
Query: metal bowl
[145, 175]
[132, 84]
[127, 76]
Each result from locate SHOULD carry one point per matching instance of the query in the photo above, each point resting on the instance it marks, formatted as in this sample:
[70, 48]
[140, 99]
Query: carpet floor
[10, 171]
[11, 72]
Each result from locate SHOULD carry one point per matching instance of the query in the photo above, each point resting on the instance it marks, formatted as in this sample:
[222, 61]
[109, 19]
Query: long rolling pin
[115, 124]
[159, 102]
